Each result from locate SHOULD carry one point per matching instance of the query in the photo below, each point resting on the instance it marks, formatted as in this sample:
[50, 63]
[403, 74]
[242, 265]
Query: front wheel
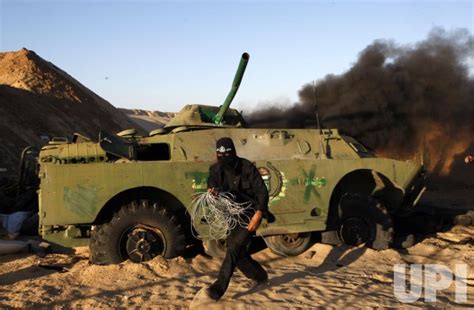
[364, 220]
[289, 244]
[139, 231]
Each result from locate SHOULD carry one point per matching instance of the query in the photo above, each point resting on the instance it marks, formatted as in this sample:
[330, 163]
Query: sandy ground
[324, 276]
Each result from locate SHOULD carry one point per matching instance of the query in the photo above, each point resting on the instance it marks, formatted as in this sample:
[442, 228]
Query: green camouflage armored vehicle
[126, 196]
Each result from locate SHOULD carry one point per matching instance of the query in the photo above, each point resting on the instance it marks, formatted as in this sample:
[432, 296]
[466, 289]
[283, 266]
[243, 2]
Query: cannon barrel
[235, 86]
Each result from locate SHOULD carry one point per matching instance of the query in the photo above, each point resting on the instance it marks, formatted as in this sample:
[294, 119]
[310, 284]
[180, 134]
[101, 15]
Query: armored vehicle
[127, 196]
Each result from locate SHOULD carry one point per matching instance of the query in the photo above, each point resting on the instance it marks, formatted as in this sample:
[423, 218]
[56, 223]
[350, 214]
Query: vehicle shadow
[36, 271]
[27, 273]
[12, 257]
[426, 223]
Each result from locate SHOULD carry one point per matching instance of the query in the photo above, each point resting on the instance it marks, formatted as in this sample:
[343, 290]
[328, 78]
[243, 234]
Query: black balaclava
[225, 146]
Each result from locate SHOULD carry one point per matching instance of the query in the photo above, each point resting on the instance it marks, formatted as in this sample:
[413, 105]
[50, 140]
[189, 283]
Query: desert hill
[39, 100]
[148, 120]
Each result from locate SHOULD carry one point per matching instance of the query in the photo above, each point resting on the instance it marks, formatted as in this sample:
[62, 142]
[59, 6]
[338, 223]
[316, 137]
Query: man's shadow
[338, 257]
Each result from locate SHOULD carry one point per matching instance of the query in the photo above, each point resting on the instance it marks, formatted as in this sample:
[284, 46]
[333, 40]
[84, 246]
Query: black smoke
[394, 96]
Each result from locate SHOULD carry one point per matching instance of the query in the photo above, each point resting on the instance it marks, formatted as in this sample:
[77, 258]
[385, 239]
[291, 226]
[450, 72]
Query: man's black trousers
[237, 255]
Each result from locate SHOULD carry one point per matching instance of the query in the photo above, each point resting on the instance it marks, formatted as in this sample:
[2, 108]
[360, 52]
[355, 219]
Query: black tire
[289, 244]
[139, 231]
[364, 220]
[215, 248]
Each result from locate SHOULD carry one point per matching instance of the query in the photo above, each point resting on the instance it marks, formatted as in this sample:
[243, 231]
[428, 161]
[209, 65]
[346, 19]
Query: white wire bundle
[220, 214]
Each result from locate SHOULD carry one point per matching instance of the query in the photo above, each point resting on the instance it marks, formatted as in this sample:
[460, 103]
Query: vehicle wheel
[215, 248]
[364, 220]
[289, 244]
[139, 231]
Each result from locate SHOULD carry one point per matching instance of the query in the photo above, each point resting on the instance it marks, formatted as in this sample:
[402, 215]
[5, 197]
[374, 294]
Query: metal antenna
[318, 124]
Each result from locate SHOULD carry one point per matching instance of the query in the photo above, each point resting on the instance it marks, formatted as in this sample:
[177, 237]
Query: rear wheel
[355, 231]
[139, 231]
[364, 220]
[289, 244]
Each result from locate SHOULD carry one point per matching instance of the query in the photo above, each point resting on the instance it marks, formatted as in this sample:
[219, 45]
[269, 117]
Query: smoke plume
[401, 101]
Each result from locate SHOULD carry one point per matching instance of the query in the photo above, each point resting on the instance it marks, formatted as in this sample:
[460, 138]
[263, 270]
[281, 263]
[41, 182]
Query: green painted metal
[305, 178]
[298, 181]
[235, 86]
[195, 115]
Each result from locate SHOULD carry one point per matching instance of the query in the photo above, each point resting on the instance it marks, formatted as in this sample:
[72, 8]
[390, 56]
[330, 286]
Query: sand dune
[324, 276]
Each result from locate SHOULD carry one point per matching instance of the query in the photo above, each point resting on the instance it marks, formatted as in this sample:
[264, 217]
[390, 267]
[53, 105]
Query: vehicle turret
[198, 116]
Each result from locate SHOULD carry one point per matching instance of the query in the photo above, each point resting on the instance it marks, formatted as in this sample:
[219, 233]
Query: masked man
[241, 178]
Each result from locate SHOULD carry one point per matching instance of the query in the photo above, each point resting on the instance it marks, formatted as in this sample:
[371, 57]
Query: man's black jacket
[244, 181]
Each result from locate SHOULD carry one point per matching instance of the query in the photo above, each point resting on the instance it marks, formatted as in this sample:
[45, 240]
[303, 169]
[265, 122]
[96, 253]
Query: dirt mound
[148, 120]
[39, 100]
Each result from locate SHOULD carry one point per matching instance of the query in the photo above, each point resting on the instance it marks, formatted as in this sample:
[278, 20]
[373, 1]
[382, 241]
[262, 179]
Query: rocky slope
[148, 120]
[39, 100]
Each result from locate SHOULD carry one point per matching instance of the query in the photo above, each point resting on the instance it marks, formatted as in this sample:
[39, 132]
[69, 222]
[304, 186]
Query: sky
[161, 55]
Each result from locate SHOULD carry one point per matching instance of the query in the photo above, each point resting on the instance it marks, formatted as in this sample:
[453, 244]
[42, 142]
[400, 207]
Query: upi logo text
[430, 277]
